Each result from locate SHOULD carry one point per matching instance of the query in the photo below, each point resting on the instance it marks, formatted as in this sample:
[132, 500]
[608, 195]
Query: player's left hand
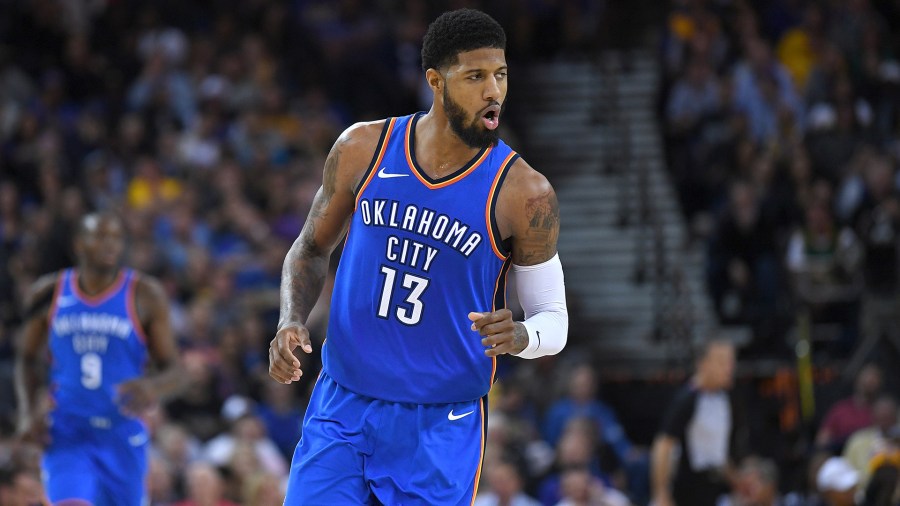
[501, 333]
[136, 397]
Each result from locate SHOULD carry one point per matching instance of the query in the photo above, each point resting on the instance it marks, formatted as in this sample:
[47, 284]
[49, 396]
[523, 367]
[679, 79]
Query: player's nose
[491, 89]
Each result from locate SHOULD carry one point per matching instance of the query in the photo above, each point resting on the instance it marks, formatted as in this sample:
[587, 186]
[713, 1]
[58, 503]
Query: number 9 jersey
[96, 343]
[420, 254]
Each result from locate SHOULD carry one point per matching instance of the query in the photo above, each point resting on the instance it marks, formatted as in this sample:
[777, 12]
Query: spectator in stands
[756, 484]
[246, 428]
[765, 93]
[581, 488]
[282, 414]
[577, 449]
[263, 489]
[837, 126]
[150, 190]
[865, 443]
[510, 439]
[693, 97]
[800, 47]
[823, 260]
[160, 482]
[20, 487]
[884, 486]
[837, 482]
[882, 489]
[694, 102]
[204, 487]
[176, 449]
[199, 408]
[505, 486]
[164, 88]
[582, 402]
[743, 272]
[704, 427]
[848, 415]
[871, 205]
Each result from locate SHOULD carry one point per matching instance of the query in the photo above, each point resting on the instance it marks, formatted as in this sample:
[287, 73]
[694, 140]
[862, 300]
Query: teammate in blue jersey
[436, 210]
[100, 323]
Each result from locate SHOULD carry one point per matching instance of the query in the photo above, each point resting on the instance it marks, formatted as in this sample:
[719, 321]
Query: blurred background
[725, 168]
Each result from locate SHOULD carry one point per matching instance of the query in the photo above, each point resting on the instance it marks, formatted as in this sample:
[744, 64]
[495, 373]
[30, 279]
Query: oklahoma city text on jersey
[420, 221]
[91, 331]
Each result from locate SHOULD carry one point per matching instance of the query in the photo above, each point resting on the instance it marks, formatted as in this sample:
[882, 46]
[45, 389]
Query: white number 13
[416, 286]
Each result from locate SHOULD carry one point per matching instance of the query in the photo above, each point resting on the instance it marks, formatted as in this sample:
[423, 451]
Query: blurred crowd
[782, 128]
[205, 125]
[782, 119]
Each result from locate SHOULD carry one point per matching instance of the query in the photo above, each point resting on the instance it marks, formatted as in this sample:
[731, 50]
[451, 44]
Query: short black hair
[456, 32]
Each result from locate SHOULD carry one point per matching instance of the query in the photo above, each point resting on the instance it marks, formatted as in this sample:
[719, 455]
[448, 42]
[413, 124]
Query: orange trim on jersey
[100, 298]
[504, 275]
[481, 455]
[56, 292]
[131, 304]
[490, 202]
[493, 372]
[442, 184]
[377, 162]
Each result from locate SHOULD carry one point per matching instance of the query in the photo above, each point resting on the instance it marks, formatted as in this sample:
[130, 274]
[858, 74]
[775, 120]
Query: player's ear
[435, 80]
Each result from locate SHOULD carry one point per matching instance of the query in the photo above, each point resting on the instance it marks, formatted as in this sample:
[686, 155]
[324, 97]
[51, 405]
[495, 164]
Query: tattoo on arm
[306, 264]
[520, 337]
[542, 234]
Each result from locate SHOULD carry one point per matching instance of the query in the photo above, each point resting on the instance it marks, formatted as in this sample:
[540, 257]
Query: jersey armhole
[131, 303]
[501, 248]
[57, 292]
[377, 156]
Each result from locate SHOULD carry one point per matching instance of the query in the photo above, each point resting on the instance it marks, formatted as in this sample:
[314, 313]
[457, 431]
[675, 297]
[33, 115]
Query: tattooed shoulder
[354, 149]
[536, 231]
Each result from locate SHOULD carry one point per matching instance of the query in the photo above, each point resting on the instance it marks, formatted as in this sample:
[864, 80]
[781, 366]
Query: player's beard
[473, 134]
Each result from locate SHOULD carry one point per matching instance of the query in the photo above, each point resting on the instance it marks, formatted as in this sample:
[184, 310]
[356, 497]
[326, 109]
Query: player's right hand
[284, 366]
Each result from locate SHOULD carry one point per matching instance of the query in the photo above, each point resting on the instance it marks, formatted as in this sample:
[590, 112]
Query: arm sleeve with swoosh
[542, 294]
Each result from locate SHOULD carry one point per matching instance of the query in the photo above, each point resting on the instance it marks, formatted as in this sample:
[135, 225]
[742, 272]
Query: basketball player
[100, 322]
[437, 210]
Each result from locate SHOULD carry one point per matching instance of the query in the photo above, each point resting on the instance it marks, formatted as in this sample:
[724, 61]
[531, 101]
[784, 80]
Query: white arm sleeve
[542, 293]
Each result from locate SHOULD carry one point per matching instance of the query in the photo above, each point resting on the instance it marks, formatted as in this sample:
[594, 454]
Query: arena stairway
[636, 283]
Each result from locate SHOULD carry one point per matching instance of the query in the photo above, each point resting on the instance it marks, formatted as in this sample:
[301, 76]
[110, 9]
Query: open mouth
[491, 117]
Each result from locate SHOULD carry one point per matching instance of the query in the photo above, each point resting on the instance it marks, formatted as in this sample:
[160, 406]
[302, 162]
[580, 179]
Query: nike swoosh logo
[385, 175]
[137, 439]
[66, 301]
[451, 416]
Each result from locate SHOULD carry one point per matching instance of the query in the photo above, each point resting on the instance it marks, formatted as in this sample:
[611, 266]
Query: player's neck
[94, 281]
[439, 151]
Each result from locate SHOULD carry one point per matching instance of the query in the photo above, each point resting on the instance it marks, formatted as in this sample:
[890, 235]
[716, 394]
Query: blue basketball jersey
[420, 254]
[96, 343]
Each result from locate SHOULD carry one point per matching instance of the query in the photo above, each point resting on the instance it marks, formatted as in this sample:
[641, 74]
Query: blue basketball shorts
[359, 450]
[96, 460]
